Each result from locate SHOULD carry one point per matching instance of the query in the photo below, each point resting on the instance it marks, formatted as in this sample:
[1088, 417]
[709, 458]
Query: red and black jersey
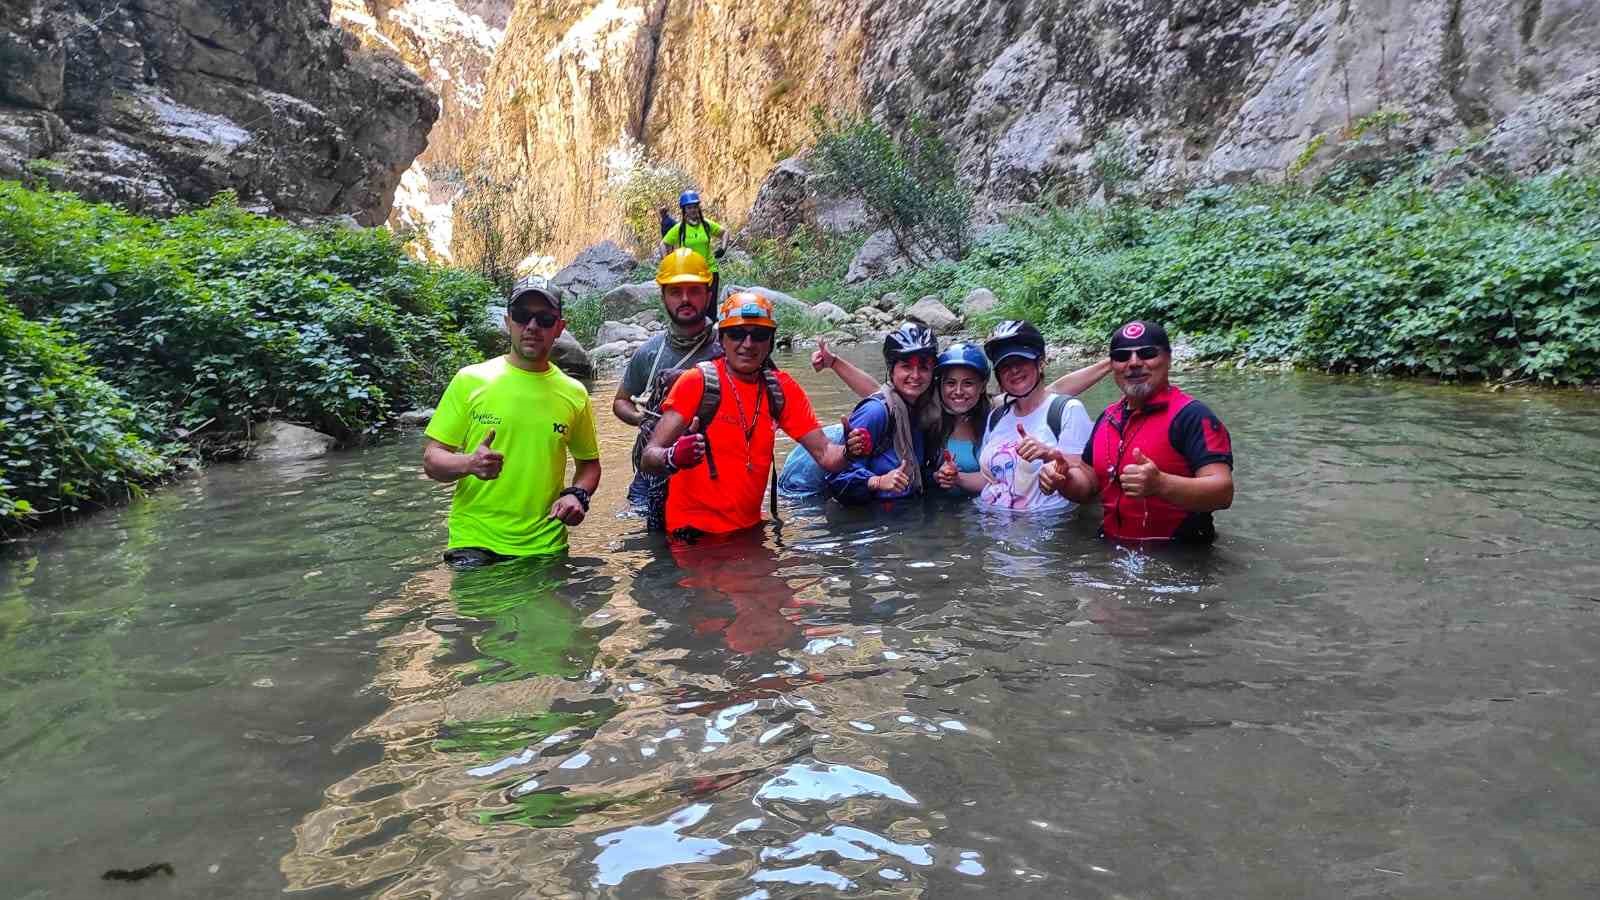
[1176, 432]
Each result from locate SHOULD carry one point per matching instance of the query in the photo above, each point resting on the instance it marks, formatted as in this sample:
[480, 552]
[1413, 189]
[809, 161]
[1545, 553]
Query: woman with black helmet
[1021, 435]
[897, 419]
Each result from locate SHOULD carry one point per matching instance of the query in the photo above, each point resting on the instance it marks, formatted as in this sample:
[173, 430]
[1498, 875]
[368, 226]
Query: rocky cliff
[449, 44]
[1197, 90]
[161, 104]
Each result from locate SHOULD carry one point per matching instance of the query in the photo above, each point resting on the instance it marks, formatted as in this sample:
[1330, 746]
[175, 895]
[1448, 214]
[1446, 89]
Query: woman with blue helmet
[698, 233]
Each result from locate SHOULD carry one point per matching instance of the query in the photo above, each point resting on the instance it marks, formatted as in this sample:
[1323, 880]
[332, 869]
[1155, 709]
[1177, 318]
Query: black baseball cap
[1140, 334]
[535, 285]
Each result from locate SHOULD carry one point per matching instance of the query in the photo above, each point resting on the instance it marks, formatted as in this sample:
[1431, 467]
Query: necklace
[749, 428]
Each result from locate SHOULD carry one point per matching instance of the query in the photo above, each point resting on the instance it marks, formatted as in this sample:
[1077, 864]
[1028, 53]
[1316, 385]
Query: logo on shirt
[561, 427]
[484, 418]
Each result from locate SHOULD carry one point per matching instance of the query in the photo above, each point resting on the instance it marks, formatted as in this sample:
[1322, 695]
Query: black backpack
[1058, 412]
[710, 398]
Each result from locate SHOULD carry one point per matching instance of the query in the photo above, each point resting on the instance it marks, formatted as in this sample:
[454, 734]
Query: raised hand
[1031, 448]
[857, 441]
[822, 357]
[945, 475]
[1142, 478]
[687, 451]
[1053, 476]
[895, 481]
[485, 462]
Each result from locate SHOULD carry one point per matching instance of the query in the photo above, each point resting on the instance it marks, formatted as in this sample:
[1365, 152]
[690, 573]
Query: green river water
[1383, 681]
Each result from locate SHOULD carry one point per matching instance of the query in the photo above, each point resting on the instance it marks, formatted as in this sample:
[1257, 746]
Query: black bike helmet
[910, 339]
[1013, 338]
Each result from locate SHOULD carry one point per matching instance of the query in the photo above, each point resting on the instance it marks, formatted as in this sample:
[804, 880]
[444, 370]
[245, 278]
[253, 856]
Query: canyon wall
[159, 105]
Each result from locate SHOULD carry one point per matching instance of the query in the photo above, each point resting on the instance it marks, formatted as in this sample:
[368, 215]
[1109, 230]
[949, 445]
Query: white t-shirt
[1013, 483]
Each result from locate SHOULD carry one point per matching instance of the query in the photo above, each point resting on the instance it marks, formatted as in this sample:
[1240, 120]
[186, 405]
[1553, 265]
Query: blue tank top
[965, 453]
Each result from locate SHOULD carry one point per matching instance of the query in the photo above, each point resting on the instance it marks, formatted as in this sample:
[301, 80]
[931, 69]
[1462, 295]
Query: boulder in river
[596, 270]
[830, 312]
[416, 418]
[620, 331]
[277, 441]
[626, 299]
[570, 357]
[935, 315]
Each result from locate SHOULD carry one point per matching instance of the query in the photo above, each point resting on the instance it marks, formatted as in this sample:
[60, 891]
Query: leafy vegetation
[641, 186]
[1491, 279]
[907, 184]
[810, 263]
[137, 340]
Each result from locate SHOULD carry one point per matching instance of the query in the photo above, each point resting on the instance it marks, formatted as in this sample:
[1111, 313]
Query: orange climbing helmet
[683, 266]
[746, 308]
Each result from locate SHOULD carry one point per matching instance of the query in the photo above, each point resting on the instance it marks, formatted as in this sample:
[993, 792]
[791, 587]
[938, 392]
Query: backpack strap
[998, 413]
[1058, 411]
[775, 396]
[710, 399]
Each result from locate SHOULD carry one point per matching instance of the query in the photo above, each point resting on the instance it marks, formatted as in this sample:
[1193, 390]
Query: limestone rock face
[1207, 91]
[449, 44]
[161, 104]
[724, 90]
[1028, 92]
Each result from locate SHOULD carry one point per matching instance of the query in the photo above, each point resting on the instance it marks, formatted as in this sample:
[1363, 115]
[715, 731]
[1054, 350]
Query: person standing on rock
[698, 233]
[690, 338]
[1161, 461]
[501, 435]
[718, 428]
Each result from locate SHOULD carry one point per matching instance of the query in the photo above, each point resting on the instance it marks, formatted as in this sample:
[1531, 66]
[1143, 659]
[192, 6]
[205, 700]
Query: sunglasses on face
[522, 316]
[740, 335]
[1126, 353]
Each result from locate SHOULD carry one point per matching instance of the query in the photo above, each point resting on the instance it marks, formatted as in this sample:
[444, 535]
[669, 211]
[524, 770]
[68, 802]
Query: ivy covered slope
[127, 342]
[1494, 279]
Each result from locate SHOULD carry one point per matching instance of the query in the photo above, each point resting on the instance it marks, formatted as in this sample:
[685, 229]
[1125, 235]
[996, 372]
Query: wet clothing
[538, 418]
[1180, 435]
[1013, 481]
[965, 454]
[740, 438]
[849, 485]
[662, 353]
[696, 237]
[800, 475]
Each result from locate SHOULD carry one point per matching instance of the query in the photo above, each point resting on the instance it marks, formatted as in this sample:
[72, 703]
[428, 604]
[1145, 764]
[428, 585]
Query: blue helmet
[690, 197]
[962, 354]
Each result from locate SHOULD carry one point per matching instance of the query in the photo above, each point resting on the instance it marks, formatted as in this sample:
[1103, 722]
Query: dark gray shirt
[662, 353]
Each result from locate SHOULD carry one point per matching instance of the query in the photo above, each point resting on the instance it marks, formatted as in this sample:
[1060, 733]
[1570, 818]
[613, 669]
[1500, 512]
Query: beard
[1140, 391]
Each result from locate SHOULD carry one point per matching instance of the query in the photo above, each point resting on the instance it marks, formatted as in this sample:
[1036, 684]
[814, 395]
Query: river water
[1383, 681]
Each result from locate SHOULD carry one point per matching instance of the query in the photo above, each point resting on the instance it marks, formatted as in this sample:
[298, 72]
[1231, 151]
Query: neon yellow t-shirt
[537, 418]
[696, 237]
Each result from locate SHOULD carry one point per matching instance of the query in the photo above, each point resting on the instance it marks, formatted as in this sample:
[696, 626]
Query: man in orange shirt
[718, 468]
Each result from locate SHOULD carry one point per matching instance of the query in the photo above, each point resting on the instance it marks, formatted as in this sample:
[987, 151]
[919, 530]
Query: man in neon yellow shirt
[502, 433]
[696, 232]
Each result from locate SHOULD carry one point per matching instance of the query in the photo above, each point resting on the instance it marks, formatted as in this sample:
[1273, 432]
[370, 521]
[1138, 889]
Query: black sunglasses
[738, 335]
[1124, 354]
[523, 315]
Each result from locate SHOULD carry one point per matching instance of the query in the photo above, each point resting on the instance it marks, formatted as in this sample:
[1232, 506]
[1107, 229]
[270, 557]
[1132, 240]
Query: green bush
[1493, 279]
[809, 263]
[641, 186]
[907, 185]
[68, 440]
[214, 320]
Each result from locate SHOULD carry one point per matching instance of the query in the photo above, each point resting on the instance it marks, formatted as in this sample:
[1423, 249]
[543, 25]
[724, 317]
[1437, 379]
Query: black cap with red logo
[1140, 334]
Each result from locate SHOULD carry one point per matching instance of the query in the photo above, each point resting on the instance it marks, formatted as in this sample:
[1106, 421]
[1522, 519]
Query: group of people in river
[708, 400]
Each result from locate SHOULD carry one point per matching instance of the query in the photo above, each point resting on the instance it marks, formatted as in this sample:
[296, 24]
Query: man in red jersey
[1160, 460]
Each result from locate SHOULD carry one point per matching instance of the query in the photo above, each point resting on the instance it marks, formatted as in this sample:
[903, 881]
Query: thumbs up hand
[1031, 448]
[858, 441]
[945, 475]
[895, 481]
[484, 462]
[687, 451]
[822, 357]
[1141, 478]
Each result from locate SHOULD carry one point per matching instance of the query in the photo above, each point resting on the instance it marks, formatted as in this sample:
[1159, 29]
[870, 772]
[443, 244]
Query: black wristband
[580, 493]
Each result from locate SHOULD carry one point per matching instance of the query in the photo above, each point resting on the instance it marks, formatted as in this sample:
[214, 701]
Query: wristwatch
[580, 493]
